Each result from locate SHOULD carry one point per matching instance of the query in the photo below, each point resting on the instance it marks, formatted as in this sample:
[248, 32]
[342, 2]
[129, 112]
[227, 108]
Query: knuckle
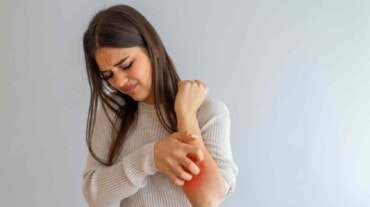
[167, 160]
[197, 150]
[182, 148]
[187, 84]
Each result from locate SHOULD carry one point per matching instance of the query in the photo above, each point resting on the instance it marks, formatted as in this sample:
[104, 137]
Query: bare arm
[206, 188]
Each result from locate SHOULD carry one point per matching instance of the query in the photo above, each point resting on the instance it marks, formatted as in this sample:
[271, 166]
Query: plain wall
[294, 75]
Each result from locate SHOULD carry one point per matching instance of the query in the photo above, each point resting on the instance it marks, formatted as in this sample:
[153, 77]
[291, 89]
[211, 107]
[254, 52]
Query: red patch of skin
[196, 180]
[203, 189]
[206, 189]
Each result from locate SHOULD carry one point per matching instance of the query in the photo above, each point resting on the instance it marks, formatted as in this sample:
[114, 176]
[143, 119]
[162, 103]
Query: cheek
[142, 74]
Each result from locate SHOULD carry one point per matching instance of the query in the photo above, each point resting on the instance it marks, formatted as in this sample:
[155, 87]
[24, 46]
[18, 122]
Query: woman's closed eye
[127, 67]
[106, 77]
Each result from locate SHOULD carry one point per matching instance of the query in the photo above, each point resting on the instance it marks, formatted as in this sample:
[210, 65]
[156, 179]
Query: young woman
[153, 139]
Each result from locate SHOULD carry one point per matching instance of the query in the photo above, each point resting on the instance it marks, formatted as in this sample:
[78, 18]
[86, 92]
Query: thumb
[186, 137]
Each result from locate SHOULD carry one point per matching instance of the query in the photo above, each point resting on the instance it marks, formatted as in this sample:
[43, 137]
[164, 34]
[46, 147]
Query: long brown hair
[122, 26]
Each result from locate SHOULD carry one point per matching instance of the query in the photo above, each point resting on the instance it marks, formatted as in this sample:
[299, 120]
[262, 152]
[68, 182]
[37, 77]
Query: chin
[138, 99]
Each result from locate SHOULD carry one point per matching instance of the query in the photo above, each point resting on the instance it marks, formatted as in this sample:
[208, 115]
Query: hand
[172, 157]
[190, 96]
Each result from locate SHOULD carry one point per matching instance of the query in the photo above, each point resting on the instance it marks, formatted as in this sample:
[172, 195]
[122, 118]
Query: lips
[129, 88]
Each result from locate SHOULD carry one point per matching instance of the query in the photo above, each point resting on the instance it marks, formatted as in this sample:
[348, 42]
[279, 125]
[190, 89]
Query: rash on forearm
[197, 180]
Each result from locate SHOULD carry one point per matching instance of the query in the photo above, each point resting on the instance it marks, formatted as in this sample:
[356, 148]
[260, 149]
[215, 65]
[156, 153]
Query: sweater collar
[145, 106]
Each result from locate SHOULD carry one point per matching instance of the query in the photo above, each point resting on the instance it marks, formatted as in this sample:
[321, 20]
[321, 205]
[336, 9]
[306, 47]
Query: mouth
[129, 88]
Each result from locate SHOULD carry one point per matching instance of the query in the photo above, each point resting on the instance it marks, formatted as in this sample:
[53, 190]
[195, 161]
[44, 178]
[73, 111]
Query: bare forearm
[207, 188]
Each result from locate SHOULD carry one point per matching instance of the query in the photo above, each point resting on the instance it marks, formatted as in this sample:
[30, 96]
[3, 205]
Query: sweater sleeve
[107, 185]
[214, 121]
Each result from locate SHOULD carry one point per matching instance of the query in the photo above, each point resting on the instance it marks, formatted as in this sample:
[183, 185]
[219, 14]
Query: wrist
[185, 114]
[179, 110]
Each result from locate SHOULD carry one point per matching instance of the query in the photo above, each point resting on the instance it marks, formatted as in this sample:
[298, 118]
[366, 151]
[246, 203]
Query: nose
[120, 78]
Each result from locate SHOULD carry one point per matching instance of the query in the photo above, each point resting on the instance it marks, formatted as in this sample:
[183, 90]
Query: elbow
[212, 199]
[219, 197]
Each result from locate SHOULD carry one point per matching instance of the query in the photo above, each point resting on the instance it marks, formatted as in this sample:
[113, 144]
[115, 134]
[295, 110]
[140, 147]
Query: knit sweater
[133, 180]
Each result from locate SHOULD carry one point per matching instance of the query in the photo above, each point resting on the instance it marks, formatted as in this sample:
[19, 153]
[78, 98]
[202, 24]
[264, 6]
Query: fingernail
[201, 157]
[197, 171]
[194, 136]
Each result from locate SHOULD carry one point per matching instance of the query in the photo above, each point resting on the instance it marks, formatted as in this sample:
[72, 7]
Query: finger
[175, 179]
[185, 83]
[202, 85]
[199, 82]
[185, 137]
[181, 173]
[194, 153]
[179, 182]
[190, 166]
[180, 83]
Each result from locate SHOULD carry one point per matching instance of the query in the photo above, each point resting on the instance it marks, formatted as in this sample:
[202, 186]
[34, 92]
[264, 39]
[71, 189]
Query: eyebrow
[119, 62]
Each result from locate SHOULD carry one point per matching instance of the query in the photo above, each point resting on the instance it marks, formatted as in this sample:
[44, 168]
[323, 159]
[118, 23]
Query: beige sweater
[134, 180]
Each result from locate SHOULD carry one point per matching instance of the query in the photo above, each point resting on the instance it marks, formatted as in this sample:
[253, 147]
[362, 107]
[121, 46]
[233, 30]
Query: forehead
[106, 57]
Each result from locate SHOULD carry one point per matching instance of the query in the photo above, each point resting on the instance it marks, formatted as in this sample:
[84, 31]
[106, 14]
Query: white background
[294, 75]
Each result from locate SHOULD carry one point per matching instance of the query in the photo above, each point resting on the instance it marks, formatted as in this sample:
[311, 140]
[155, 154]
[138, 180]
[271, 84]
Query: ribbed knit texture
[134, 181]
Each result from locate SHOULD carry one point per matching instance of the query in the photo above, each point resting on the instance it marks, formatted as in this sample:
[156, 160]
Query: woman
[153, 140]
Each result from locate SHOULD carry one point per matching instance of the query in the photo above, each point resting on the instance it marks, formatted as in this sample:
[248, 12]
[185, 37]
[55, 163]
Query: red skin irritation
[205, 189]
[197, 180]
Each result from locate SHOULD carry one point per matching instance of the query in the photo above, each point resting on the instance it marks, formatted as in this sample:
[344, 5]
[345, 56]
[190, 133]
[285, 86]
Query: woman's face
[128, 70]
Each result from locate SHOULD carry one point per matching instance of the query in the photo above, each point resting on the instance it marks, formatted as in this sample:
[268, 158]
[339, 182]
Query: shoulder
[104, 113]
[212, 107]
